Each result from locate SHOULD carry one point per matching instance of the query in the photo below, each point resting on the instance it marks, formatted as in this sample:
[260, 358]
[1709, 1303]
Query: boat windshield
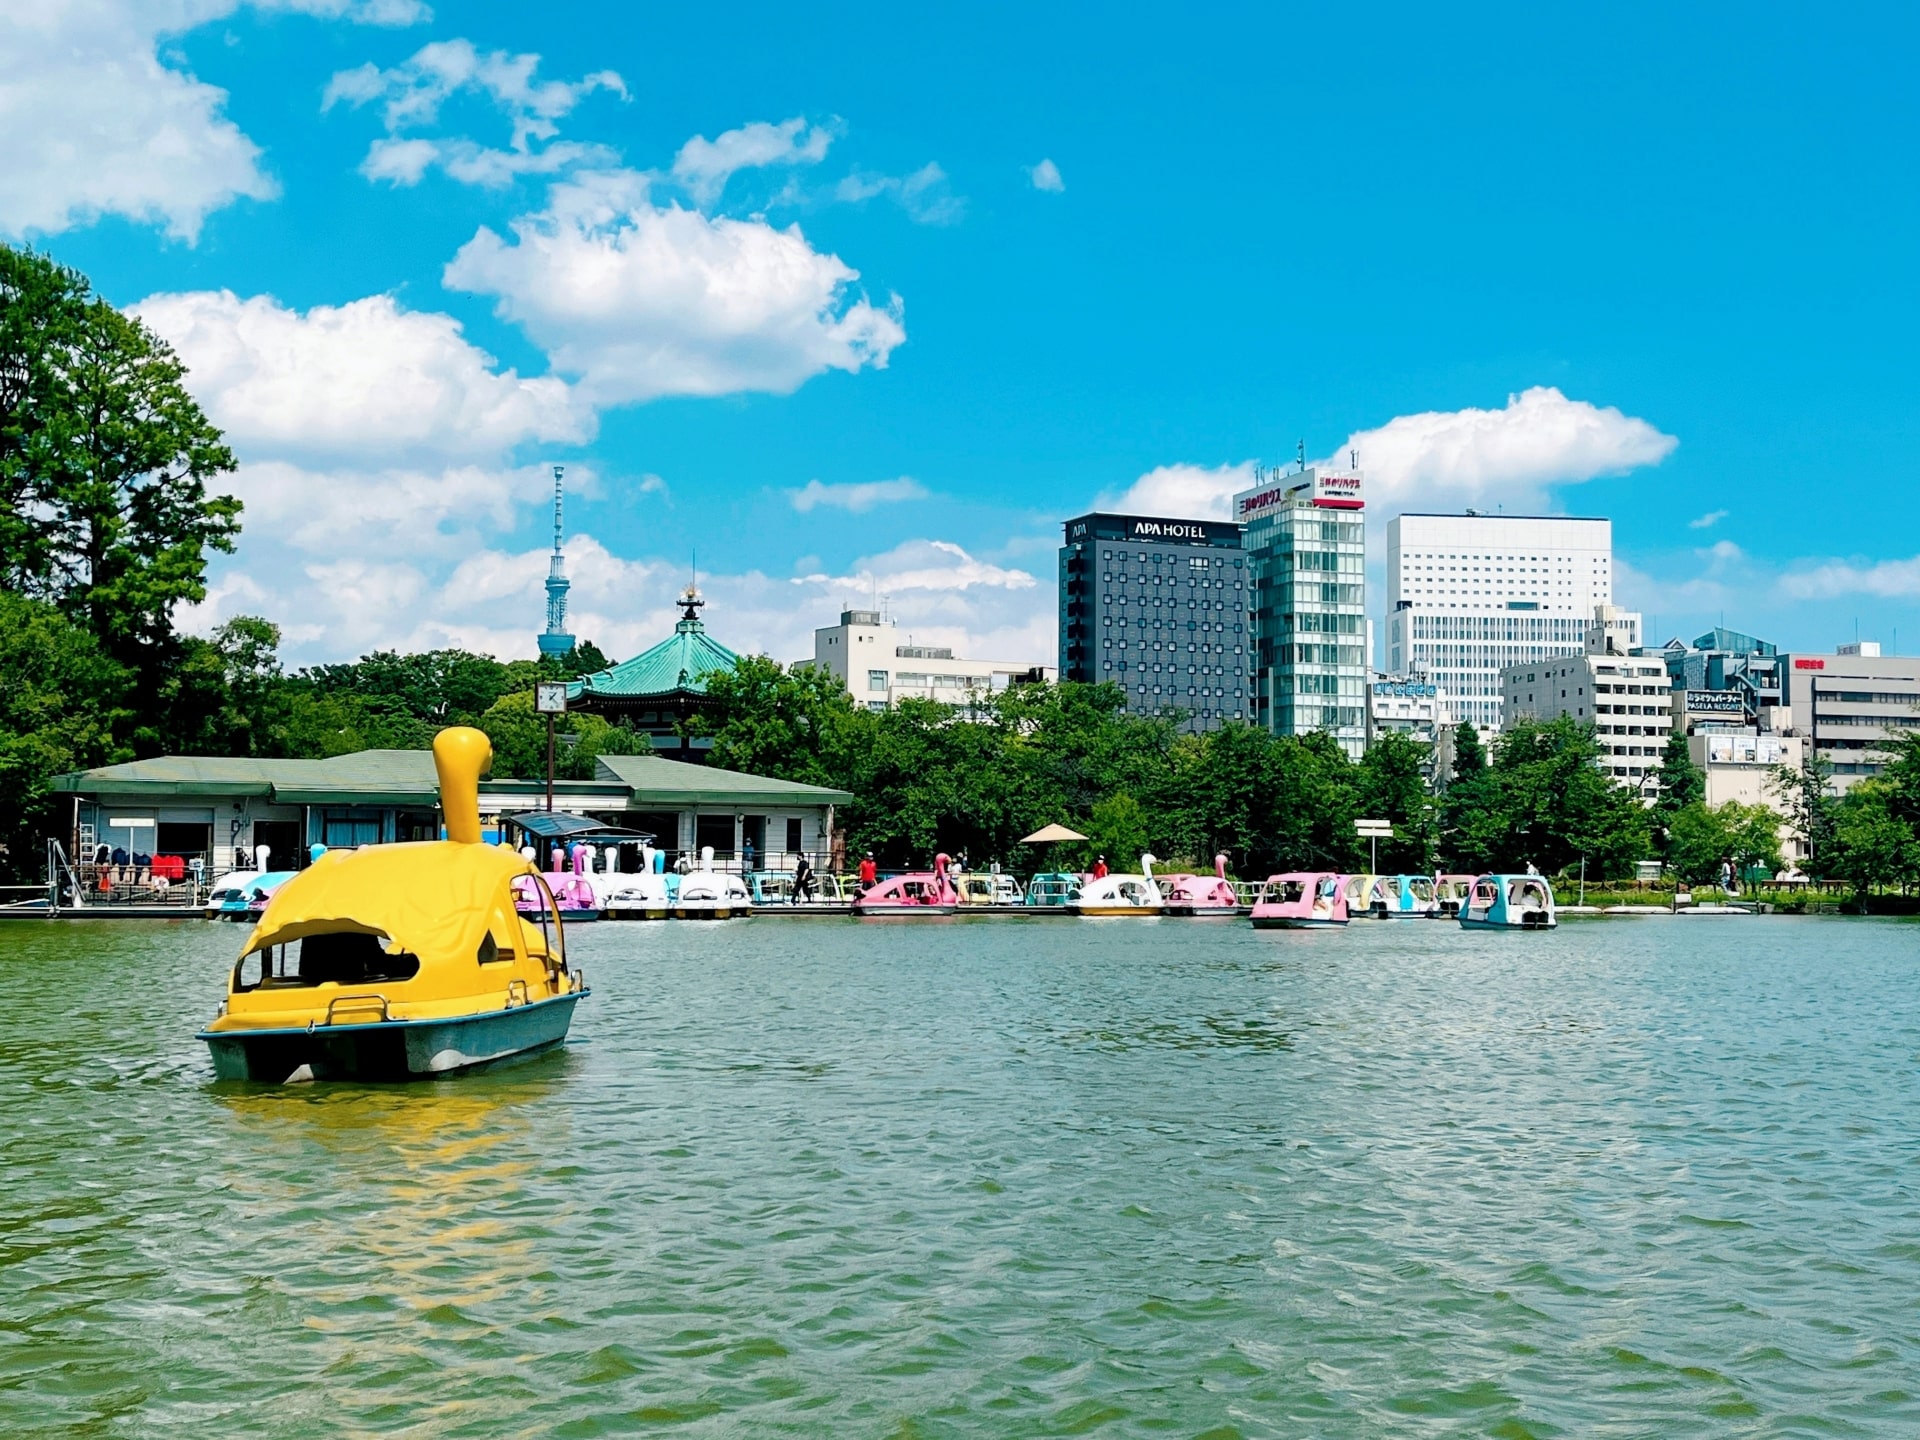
[1289, 892]
[344, 958]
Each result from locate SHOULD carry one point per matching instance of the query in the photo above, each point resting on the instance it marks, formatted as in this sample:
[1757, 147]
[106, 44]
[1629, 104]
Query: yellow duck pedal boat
[399, 962]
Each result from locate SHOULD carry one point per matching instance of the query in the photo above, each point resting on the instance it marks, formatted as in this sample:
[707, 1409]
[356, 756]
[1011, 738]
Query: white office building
[1470, 595]
[866, 653]
[1627, 699]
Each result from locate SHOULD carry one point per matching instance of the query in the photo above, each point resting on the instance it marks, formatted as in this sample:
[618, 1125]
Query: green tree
[1469, 755]
[797, 724]
[1117, 829]
[1807, 800]
[1702, 837]
[1870, 846]
[105, 462]
[1546, 802]
[519, 736]
[1682, 783]
[60, 705]
[1391, 785]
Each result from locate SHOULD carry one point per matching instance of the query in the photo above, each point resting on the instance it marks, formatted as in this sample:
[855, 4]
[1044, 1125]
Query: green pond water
[1634, 1178]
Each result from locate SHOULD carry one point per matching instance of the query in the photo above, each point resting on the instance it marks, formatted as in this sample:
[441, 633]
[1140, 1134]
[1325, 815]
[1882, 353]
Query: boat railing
[361, 1002]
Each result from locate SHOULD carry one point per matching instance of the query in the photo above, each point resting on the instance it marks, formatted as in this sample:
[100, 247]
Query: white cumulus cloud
[857, 497]
[366, 379]
[704, 165]
[1046, 176]
[641, 301]
[1195, 492]
[1831, 579]
[925, 195]
[412, 93]
[1540, 438]
[1708, 520]
[94, 122]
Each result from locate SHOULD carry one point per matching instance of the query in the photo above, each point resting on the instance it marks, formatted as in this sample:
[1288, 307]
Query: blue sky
[1645, 262]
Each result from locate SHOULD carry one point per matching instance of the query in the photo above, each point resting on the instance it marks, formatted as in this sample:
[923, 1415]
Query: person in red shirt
[869, 874]
[1100, 868]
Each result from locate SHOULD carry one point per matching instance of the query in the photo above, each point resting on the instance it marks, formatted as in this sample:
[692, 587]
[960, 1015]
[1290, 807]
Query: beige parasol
[1052, 834]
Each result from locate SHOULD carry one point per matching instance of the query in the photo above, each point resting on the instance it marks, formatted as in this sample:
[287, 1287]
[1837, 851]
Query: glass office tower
[1158, 607]
[1307, 551]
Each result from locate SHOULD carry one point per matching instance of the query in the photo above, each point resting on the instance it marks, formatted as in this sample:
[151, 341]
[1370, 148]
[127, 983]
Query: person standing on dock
[802, 881]
[1100, 868]
[869, 873]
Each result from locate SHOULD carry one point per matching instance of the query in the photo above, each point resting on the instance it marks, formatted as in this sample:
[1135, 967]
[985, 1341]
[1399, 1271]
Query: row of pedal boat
[578, 892]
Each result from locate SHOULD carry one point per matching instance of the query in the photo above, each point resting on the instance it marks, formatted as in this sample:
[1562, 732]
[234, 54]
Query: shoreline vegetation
[111, 475]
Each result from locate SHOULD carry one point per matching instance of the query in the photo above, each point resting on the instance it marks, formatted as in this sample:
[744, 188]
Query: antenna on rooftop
[1303, 454]
[1353, 459]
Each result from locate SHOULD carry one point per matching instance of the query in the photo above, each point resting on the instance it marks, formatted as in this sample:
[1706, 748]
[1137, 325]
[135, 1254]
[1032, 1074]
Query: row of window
[1194, 562]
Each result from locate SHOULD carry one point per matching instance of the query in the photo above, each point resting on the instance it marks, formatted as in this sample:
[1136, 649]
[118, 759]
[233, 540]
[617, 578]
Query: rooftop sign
[1153, 530]
[1329, 489]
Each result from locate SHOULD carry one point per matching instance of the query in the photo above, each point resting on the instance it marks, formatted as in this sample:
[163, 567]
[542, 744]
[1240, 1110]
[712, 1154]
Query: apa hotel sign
[1167, 530]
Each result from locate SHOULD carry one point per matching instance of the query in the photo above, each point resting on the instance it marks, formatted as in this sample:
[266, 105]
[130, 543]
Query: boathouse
[660, 691]
[206, 808]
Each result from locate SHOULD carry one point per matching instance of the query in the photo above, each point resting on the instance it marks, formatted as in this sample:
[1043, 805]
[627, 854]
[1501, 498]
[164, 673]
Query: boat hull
[1295, 922]
[390, 1050]
[1108, 911]
[1466, 924]
[866, 911]
[1207, 912]
[702, 910]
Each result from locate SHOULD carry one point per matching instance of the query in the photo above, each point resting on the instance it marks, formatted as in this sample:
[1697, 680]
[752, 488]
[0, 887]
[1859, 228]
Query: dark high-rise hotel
[1159, 607]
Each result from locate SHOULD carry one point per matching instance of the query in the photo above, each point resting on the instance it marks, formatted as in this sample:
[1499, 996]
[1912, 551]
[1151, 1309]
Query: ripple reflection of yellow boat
[397, 962]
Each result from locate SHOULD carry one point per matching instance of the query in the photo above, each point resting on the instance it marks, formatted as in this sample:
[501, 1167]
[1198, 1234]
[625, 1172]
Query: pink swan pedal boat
[1203, 895]
[917, 893]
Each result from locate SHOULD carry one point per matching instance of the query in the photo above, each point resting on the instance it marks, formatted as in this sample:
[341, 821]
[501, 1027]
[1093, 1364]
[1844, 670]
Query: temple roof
[680, 664]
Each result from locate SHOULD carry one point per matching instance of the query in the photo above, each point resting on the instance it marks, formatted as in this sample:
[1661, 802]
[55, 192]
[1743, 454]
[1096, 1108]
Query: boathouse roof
[406, 777]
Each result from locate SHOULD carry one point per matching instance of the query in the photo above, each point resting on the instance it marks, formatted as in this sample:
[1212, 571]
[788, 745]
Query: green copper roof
[680, 663]
[670, 783]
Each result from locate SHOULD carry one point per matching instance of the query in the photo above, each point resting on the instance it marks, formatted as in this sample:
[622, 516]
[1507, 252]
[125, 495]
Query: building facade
[1415, 707]
[865, 653]
[1157, 606]
[206, 809]
[1470, 595]
[1848, 705]
[1305, 538]
[1736, 668]
[1627, 699]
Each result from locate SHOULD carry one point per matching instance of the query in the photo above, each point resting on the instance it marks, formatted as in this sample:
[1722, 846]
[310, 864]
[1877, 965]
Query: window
[876, 680]
[793, 835]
